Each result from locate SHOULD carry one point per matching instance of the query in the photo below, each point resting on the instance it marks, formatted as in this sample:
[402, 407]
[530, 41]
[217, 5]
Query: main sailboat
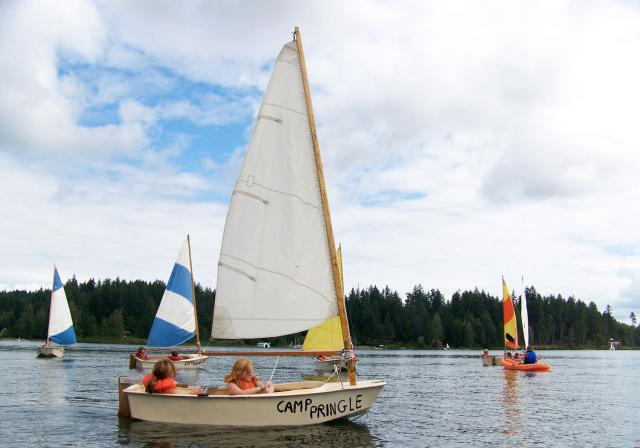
[278, 270]
[176, 320]
[60, 328]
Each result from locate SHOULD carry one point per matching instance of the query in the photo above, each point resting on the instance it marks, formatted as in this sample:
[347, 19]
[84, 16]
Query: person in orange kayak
[162, 380]
[175, 356]
[141, 353]
[242, 381]
[530, 357]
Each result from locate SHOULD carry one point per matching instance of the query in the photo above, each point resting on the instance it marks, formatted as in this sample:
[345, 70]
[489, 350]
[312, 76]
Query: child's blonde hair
[241, 365]
[161, 370]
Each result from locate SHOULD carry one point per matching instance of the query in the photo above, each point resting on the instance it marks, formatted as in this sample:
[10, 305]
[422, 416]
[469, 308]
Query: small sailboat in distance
[277, 272]
[511, 332]
[60, 328]
[176, 320]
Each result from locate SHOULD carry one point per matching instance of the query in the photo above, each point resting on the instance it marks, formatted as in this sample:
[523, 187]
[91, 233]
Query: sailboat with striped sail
[510, 321]
[511, 332]
[176, 320]
[277, 272]
[328, 336]
[60, 329]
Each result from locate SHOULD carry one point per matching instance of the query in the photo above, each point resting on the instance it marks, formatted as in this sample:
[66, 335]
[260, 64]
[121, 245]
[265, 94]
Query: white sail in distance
[524, 317]
[274, 274]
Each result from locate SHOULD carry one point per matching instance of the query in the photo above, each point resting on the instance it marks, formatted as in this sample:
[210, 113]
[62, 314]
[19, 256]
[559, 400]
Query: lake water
[432, 398]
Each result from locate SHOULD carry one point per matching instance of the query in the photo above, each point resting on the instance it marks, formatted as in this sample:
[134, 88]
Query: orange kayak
[537, 367]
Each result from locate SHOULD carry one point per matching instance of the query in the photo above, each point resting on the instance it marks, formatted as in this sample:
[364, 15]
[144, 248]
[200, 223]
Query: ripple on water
[432, 398]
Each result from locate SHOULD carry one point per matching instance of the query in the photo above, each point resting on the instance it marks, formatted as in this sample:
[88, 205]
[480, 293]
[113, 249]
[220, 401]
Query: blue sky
[461, 142]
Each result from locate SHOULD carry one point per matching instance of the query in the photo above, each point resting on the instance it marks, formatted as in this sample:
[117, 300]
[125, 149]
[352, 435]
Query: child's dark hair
[161, 370]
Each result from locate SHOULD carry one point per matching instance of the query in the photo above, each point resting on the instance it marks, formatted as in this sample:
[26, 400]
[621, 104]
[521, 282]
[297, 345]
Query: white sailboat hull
[293, 404]
[190, 362]
[50, 352]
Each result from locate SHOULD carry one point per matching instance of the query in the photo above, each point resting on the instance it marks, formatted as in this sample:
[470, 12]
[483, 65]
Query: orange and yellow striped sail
[510, 324]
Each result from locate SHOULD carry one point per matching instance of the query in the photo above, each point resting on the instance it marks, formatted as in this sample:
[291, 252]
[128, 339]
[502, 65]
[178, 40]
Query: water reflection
[341, 433]
[512, 409]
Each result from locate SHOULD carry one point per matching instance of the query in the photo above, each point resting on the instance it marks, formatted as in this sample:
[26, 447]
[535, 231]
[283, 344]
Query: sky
[462, 141]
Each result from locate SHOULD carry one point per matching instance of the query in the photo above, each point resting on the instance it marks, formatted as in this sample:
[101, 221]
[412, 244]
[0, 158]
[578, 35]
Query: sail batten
[274, 259]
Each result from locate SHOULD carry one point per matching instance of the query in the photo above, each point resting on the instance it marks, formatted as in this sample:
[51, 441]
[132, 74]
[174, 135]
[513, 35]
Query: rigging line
[337, 370]
[274, 368]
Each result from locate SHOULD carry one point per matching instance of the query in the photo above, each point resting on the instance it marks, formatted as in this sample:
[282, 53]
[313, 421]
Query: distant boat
[60, 323]
[263, 345]
[613, 344]
[511, 332]
[176, 319]
[446, 347]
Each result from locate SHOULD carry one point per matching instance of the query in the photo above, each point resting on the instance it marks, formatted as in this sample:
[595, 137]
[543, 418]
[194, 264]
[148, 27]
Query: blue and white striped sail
[60, 324]
[175, 320]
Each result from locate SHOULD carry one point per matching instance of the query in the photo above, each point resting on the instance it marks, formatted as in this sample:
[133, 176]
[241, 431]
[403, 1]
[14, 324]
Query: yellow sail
[327, 335]
[509, 314]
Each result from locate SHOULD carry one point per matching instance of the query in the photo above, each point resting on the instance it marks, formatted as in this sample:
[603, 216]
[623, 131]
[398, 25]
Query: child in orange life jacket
[141, 353]
[175, 356]
[161, 380]
[242, 381]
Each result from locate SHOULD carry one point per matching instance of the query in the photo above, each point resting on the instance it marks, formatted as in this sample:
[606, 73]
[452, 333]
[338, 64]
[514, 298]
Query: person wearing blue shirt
[530, 357]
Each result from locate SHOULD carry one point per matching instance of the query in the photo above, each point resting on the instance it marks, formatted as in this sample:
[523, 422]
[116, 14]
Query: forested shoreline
[120, 310]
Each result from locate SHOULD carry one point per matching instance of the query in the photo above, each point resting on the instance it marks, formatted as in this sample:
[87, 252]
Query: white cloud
[512, 125]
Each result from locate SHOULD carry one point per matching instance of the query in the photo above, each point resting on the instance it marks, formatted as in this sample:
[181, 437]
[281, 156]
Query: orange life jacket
[247, 384]
[140, 355]
[162, 386]
[176, 358]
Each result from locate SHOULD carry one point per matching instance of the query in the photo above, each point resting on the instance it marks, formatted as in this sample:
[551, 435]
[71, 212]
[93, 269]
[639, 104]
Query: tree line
[111, 310]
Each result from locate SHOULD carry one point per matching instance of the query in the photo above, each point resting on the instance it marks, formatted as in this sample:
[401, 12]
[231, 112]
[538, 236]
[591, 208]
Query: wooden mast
[344, 323]
[53, 285]
[193, 294]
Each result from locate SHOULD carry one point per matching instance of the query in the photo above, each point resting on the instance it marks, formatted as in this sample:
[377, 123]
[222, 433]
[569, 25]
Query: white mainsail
[524, 316]
[274, 274]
